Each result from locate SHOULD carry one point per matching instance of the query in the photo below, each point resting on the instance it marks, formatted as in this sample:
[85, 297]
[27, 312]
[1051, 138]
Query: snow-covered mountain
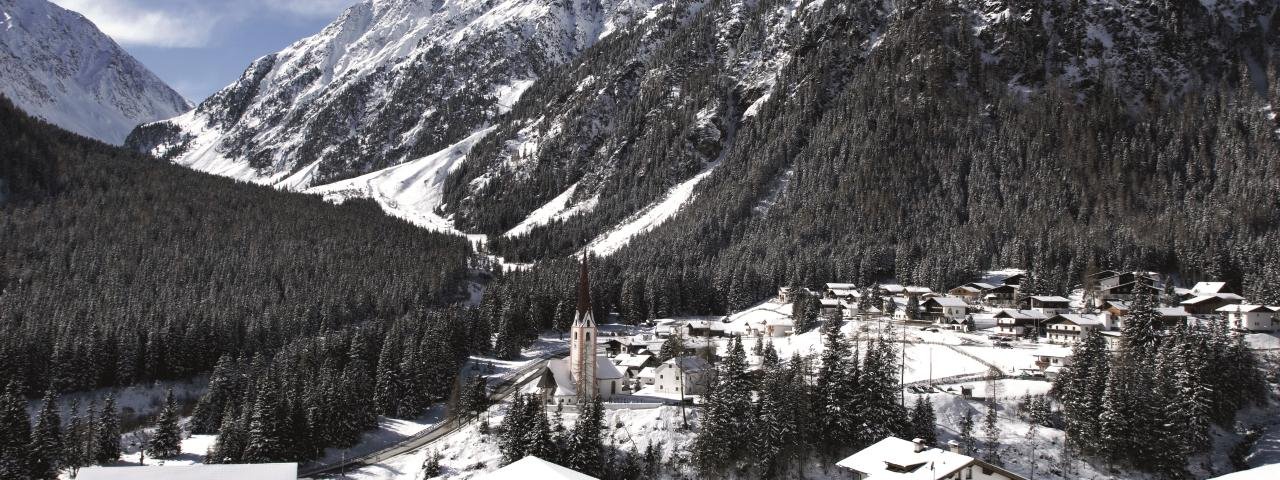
[57, 65]
[387, 82]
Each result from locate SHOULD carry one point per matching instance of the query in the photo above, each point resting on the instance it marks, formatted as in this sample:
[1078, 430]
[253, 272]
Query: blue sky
[200, 46]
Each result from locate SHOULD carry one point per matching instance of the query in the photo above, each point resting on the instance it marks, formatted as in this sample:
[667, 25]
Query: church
[584, 374]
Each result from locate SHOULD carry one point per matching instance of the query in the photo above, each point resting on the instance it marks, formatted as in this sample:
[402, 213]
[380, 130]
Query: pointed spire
[584, 288]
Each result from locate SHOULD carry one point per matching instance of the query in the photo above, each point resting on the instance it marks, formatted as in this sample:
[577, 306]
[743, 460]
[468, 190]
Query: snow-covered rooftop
[532, 467]
[895, 458]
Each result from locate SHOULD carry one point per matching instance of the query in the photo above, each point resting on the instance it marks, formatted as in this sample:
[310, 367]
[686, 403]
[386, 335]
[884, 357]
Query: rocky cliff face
[388, 81]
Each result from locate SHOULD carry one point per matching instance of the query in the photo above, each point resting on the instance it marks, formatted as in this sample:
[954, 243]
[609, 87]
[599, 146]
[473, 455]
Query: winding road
[506, 388]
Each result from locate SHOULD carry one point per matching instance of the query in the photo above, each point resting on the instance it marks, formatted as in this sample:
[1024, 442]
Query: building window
[575, 335]
[588, 336]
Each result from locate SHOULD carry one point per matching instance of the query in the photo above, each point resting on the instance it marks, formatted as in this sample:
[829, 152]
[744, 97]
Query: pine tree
[837, 388]
[968, 443]
[166, 441]
[46, 439]
[991, 433]
[585, 449]
[73, 442]
[475, 397]
[727, 425]
[107, 434]
[268, 427]
[672, 347]
[15, 434]
[232, 438]
[431, 465]
[513, 430]
[207, 414]
[923, 422]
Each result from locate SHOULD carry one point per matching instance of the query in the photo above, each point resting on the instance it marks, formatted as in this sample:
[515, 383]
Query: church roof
[605, 370]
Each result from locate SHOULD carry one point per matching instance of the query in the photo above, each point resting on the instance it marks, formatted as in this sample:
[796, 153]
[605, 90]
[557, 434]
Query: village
[975, 342]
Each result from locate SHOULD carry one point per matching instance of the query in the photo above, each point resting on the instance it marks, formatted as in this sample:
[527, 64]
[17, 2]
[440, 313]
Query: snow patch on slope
[649, 218]
[556, 209]
[412, 190]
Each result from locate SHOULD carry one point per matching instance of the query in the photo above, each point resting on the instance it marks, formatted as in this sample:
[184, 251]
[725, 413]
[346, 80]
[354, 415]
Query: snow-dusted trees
[46, 440]
[1150, 405]
[924, 424]
[838, 407]
[15, 434]
[728, 425]
[166, 441]
[106, 433]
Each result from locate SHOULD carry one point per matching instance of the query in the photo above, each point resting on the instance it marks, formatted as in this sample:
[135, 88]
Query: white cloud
[187, 23]
[130, 22]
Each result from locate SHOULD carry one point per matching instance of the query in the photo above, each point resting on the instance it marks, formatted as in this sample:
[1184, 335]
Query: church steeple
[582, 346]
[584, 317]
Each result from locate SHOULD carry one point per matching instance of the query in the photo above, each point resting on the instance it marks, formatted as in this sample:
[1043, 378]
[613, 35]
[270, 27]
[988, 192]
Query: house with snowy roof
[896, 459]
[531, 467]
[945, 309]
[1202, 288]
[971, 292]
[688, 375]
[584, 374]
[1011, 323]
[1253, 318]
[256, 471]
[1071, 328]
[1049, 304]
[1209, 303]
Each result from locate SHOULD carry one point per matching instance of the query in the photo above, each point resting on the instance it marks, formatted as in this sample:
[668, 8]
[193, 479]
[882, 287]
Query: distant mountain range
[57, 65]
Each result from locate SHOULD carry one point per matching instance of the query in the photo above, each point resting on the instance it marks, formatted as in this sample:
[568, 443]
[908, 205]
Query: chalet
[1112, 339]
[1071, 328]
[1010, 277]
[1012, 323]
[831, 306]
[1202, 288]
[631, 364]
[683, 375]
[1171, 317]
[1051, 360]
[646, 376]
[1125, 286]
[1049, 305]
[945, 308]
[918, 292]
[778, 327]
[1254, 318]
[1004, 296]
[971, 292]
[897, 459]
[1209, 304]
[843, 291]
[612, 346]
[890, 289]
[263, 471]
[706, 328]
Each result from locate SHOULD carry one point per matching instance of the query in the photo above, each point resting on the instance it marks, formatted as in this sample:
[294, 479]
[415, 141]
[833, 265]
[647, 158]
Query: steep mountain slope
[912, 142]
[651, 109]
[57, 65]
[388, 81]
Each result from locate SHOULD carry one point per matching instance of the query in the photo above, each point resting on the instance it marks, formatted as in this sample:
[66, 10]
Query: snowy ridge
[412, 190]
[556, 209]
[649, 218]
[386, 82]
[56, 65]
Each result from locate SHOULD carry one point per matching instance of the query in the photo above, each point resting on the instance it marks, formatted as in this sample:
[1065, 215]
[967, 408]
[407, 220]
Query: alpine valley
[649, 239]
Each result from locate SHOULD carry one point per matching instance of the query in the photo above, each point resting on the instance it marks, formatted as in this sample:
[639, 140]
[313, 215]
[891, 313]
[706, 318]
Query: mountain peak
[55, 64]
